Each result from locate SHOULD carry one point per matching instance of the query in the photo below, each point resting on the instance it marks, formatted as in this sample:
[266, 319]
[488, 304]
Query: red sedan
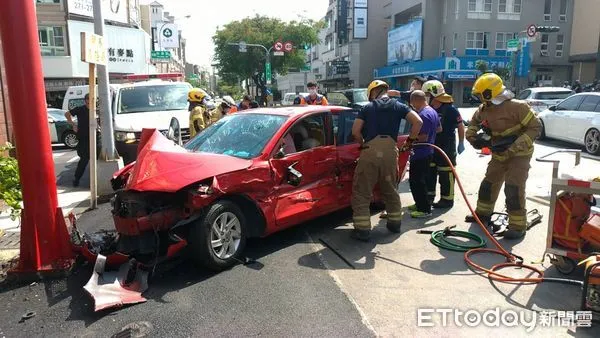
[250, 174]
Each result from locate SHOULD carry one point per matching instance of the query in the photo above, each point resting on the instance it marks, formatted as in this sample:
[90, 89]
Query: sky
[207, 15]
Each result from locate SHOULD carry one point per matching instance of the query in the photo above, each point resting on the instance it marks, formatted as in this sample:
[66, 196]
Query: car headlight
[122, 136]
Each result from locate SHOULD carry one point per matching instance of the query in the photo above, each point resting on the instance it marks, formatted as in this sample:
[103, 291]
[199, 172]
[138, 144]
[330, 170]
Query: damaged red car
[248, 175]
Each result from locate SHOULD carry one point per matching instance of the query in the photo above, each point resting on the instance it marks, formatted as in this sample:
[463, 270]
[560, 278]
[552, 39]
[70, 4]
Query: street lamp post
[267, 56]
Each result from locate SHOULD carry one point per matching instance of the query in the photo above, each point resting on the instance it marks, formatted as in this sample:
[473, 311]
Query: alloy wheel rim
[71, 140]
[225, 235]
[592, 141]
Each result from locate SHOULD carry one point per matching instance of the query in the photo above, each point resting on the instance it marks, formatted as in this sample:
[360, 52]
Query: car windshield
[239, 135]
[553, 95]
[360, 95]
[138, 99]
[58, 115]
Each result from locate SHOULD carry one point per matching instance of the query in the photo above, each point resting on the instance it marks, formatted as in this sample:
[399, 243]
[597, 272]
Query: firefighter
[376, 131]
[222, 110]
[513, 128]
[450, 120]
[199, 114]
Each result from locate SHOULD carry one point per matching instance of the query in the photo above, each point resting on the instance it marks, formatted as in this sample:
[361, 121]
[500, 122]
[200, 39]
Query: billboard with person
[404, 42]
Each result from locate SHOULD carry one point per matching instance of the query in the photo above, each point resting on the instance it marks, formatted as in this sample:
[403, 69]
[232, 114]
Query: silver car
[540, 98]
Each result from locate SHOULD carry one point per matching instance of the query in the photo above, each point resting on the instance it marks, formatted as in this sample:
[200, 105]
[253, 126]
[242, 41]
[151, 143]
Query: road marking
[316, 249]
[75, 158]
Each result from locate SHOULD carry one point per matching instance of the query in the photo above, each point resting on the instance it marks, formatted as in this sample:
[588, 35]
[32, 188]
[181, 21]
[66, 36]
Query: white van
[135, 106]
[288, 98]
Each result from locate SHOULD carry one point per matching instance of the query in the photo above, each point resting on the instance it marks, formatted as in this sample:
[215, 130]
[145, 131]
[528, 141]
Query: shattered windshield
[138, 99]
[239, 135]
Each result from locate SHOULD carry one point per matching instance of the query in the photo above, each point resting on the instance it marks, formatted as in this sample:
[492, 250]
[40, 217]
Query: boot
[362, 235]
[471, 219]
[514, 234]
[394, 226]
[443, 204]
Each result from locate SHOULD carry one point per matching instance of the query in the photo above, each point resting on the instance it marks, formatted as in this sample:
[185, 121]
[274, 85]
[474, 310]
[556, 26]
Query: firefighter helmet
[487, 87]
[196, 95]
[376, 84]
[433, 87]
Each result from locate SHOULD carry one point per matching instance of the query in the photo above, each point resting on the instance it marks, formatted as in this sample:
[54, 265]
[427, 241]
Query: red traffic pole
[45, 245]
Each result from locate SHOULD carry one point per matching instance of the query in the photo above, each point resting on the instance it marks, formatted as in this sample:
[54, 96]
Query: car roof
[294, 110]
[587, 93]
[548, 89]
[156, 82]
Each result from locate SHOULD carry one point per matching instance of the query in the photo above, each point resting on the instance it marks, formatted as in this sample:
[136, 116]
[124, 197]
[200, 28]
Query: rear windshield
[553, 95]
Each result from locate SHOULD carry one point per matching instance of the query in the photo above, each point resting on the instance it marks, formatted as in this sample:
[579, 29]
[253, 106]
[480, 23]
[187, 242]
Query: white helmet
[230, 101]
[434, 87]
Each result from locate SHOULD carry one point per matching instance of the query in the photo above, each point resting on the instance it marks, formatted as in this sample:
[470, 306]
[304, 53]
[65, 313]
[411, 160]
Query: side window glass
[344, 131]
[571, 103]
[524, 94]
[404, 127]
[589, 103]
[306, 134]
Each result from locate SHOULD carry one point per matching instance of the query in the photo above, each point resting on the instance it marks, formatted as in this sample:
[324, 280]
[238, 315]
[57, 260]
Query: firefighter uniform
[378, 161]
[199, 117]
[507, 119]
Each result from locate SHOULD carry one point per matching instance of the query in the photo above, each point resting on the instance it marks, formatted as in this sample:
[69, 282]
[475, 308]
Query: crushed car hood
[165, 166]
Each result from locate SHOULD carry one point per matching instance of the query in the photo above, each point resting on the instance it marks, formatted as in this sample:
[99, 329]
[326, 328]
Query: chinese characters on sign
[120, 55]
[92, 49]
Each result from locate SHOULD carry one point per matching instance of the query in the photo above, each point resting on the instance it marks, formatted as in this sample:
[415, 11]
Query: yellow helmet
[376, 84]
[196, 95]
[488, 86]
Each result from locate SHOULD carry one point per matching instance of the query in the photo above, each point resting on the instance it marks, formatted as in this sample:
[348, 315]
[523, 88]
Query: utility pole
[106, 122]
[243, 46]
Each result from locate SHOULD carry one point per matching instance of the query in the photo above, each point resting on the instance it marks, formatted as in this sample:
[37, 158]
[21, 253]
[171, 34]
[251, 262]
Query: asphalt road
[276, 296]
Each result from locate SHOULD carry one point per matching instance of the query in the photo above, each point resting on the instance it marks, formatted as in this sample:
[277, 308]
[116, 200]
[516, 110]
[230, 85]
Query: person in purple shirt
[422, 155]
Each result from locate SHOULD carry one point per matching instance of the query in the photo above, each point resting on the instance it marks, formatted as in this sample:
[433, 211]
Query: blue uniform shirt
[382, 117]
[431, 121]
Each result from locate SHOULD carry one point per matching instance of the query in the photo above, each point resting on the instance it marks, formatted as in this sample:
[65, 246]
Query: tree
[482, 67]
[264, 31]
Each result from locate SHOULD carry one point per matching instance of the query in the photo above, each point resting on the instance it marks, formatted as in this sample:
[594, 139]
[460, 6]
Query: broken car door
[304, 171]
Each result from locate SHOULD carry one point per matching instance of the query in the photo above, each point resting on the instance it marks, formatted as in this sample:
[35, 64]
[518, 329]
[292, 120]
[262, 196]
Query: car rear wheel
[70, 139]
[217, 240]
[543, 133]
[592, 142]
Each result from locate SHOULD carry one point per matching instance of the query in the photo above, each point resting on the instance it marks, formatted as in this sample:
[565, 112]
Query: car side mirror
[294, 177]
[553, 108]
[174, 132]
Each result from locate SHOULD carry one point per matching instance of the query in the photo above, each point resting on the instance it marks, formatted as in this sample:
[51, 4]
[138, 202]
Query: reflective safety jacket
[511, 118]
[320, 100]
[198, 120]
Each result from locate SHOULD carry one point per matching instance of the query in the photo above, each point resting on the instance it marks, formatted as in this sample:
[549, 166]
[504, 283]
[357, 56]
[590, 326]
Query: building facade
[585, 46]
[60, 23]
[154, 20]
[351, 45]
[448, 39]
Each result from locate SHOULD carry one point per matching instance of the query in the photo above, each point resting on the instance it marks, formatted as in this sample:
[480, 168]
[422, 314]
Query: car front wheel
[70, 139]
[543, 133]
[219, 238]
[592, 142]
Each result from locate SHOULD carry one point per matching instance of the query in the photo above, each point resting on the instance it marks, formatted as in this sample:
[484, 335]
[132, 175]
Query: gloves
[461, 147]
[520, 144]
[408, 145]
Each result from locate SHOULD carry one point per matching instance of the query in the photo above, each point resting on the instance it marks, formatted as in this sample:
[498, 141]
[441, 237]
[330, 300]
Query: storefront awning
[464, 66]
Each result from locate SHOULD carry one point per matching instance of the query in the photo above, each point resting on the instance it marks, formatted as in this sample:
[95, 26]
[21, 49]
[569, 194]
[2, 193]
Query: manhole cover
[10, 241]
[134, 330]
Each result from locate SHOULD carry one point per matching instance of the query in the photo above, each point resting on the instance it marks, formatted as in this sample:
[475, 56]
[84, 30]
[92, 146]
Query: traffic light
[547, 29]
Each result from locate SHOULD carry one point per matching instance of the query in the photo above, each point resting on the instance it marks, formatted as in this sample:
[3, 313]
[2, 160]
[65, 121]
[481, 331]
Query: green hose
[439, 239]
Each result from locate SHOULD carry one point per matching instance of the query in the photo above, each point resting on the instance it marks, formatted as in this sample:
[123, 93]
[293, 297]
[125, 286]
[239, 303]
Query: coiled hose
[512, 260]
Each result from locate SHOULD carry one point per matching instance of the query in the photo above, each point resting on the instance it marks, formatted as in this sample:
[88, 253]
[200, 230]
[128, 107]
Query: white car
[288, 98]
[575, 119]
[540, 98]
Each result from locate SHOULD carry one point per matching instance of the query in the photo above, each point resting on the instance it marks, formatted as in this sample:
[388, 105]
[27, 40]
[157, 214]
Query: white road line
[316, 249]
[74, 159]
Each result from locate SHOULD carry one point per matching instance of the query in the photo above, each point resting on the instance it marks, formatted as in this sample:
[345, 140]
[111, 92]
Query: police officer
[450, 120]
[513, 127]
[376, 130]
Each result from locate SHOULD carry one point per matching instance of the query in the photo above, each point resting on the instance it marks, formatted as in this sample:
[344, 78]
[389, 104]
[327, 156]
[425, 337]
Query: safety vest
[317, 101]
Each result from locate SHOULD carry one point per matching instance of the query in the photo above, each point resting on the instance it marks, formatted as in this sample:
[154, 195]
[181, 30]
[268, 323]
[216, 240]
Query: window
[559, 45]
[52, 41]
[571, 103]
[478, 40]
[315, 70]
[443, 45]
[544, 45]
[563, 11]
[502, 6]
[553, 95]
[343, 130]
[524, 94]
[445, 15]
[502, 40]
[454, 41]
[47, 1]
[480, 6]
[329, 42]
[306, 134]
[548, 10]
[517, 6]
[590, 102]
